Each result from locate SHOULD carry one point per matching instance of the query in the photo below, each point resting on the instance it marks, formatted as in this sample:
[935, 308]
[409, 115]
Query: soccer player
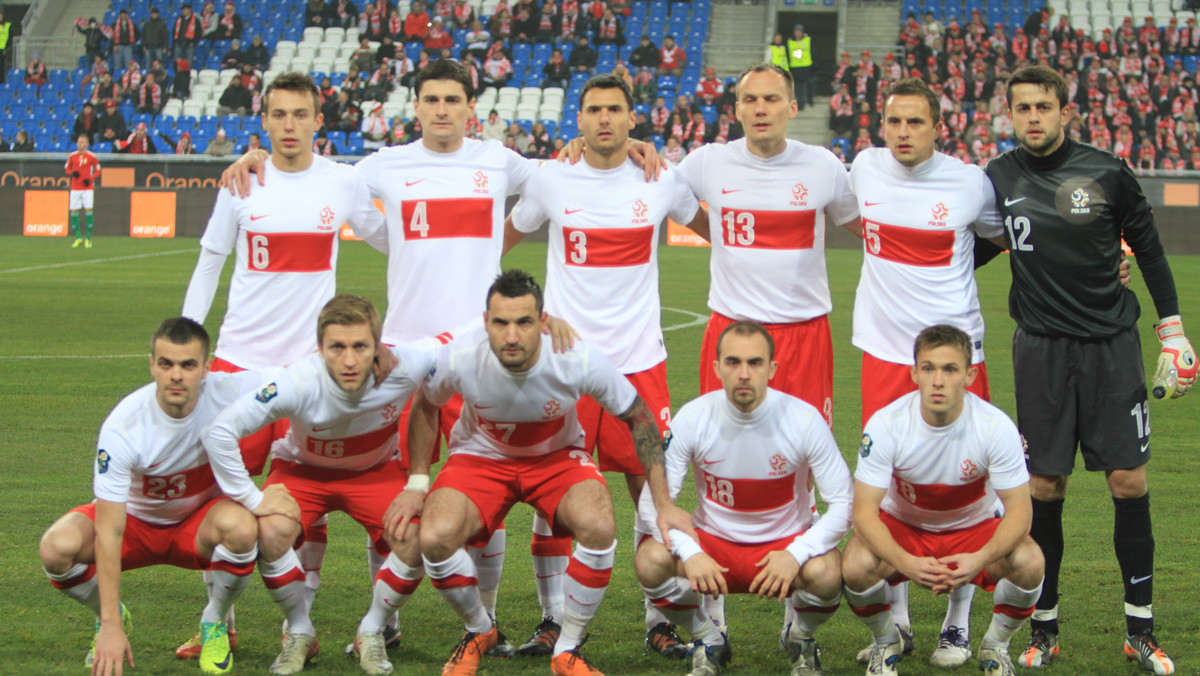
[157, 502]
[1077, 356]
[920, 212]
[931, 465]
[285, 241]
[602, 278]
[519, 440]
[83, 168]
[339, 454]
[748, 446]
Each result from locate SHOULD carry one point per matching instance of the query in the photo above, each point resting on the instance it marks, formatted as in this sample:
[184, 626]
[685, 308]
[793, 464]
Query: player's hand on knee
[112, 650]
[779, 569]
[706, 575]
[236, 176]
[407, 505]
[277, 500]
[562, 334]
[1177, 365]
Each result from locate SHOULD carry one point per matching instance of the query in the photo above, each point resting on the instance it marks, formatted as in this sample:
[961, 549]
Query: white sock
[284, 580]
[455, 580]
[394, 584]
[714, 607]
[312, 557]
[871, 606]
[899, 597]
[586, 581]
[811, 611]
[550, 557]
[489, 563]
[79, 583]
[958, 614]
[231, 573]
[1012, 609]
[681, 605]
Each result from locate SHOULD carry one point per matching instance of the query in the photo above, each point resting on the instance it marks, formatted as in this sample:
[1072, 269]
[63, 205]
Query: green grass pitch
[74, 341]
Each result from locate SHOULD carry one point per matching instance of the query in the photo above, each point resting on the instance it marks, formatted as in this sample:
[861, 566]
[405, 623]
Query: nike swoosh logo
[481, 408]
[543, 577]
[492, 556]
[871, 204]
[156, 464]
[709, 462]
[1008, 202]
[581, 602]
[1139, 580]
[726, 191]
[224, 664]
[255, 218]
[1145, 447]
[571, 211]
[409, 184]
[324, 429]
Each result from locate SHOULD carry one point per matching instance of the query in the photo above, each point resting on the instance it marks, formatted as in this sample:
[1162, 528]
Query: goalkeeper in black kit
[1077, 358]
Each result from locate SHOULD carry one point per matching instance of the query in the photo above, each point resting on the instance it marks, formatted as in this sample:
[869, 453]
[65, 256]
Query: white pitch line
[699, 319]
[72, 356]
[98, 260]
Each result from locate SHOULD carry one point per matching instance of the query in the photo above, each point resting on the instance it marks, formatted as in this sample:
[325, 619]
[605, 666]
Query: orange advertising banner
[152, 214]
[347, 233]
[681, 235]
[46, 213]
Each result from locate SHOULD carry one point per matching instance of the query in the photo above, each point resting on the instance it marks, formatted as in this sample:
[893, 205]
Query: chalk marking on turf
[98, 260]
[697, 321]
[72, 356]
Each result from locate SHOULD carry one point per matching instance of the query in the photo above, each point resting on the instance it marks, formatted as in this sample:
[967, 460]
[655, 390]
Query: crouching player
[747, 445]
[157, 502]
[931, 466]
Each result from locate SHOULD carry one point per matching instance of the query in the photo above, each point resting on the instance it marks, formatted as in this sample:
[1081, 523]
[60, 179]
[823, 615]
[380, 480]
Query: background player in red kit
[83, 168]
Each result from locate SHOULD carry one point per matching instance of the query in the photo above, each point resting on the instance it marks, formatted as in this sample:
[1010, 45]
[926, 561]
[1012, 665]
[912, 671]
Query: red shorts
[920, 542]
[494, 486]
[447, 416]
[804, 351]
[611, 437]
[889, 381]
[149, 544]
[740, 557]
[364, 495]
[256, 447]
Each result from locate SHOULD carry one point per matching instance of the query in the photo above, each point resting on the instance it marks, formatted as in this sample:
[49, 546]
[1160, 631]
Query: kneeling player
[157, 502]
[748, 444]
[931, 466]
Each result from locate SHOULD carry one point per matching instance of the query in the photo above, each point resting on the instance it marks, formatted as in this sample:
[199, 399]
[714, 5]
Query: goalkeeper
[83, 168]
[1077, 357]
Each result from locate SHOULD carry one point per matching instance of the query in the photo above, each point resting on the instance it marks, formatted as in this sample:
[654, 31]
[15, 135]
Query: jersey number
[330, 448]
[720, 490]
[260, 258]
[578, 240]
[419, 223]
[871, 235]
[739, 228]
[1018, 231]
[500, 431]
[166, 488]
[1141, 417]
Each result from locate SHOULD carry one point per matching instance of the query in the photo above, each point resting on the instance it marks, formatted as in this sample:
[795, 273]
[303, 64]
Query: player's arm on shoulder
[112, 645]
[247, 413]
[645, 155]
[236, 177]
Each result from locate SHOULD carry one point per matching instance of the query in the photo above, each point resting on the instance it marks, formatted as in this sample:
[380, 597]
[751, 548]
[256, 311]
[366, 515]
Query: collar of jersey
[1050, 162]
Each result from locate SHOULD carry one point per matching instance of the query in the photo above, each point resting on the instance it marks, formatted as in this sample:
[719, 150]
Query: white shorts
[81, 199]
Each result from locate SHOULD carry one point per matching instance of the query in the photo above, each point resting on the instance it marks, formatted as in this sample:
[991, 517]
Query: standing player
[83, 168]
[339, 454]
[919, 214]
[285, 241]
[1077, 356]
[157, 502]
[748, 445]
[602, 278]
[519, 440]
[931, 465]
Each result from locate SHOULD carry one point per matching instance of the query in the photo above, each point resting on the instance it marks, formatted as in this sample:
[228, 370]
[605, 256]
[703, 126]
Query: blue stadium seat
[206, 129]
[1190, 63]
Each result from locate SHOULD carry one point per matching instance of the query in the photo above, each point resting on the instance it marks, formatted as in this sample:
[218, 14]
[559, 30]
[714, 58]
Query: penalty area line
[697, 319]
[98, 260]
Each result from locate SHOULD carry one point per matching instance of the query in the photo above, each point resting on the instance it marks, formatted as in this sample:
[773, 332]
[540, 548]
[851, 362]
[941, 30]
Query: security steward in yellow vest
[800, 63]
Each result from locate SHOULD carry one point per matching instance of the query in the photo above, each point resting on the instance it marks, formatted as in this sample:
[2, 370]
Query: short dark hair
[748, 327]
[291, 82]
[181, 331]
[445, 69]
[1044, 77]
[514, 284]
[942, 335]
[765, 67]
[347, 309]
[911, 86]
[607, 81]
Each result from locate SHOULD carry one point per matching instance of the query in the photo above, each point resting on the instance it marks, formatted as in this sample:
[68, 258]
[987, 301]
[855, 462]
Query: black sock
[1133, 540]
[1047, 532]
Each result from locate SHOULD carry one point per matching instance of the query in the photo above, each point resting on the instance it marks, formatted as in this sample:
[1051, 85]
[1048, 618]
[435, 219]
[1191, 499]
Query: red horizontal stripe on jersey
[397, 583]
[180, 485]
[760, 229]
[588, 577]
[293, 575]
[446, 217]
[608, 247]
[350, 446]
[522, 433]
[749, 495]
[289, 251]
[911, 246]
[941, 497]
[453, 582]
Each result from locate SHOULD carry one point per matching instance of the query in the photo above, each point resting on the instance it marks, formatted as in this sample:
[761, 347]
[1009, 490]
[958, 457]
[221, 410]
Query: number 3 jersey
[285, 234]
[154, 463]
[602, 265]
[918, 262]
[752, 471]
[515, 415]
[767, 224]
[941, 478]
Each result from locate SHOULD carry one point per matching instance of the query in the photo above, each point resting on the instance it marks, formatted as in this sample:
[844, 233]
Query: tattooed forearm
[647, 440]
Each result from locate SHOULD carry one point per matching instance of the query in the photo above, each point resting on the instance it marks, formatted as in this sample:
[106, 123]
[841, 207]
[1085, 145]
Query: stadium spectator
[93, 37]
[777, 53]
[709, 87]
[438, 37]
[478, 39]
[645, 86]
[315, 13]
[540, 142]
[229, 26]
[671, 58]
[87, 122]
[35, 72]
[642, 129]
[186, 34]
[111, 125]
[386, 51]
[155, 37]
[363, 58]
[524, 26]
[556, 72]
[131, 80]
[800, 63]
[125, 34]
[149, 97]
[182, 87]
[622, 72]
[23, 143]
[645, 55]
[660, 116]
[253, 143]
[673, 150]
[380, 84]
[493, 127]
[235, 100]
[160, 75]
[416, 24]
[583, 57]
[341, 14]
[209, 21]
[221, 145]
[183, 145]
[497, 70]
[137, 143]
[500, 25]
[609, 30]
[5, 31]
[257, 53]
[517, 138]
[5, 146]
[372, 22]
[374, 129]
[569, 24]
[323, 146]
[234, 57]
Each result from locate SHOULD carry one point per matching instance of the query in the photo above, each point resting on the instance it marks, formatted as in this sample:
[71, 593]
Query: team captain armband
[289, 251]
[447, 217]
[605, 247]
[910, 246]
[757, 229]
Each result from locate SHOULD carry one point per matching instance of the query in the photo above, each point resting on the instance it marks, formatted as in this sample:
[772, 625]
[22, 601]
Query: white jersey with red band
[918, 262]
[154, 463]
[285, 234]
[752, 471]
[445, 230]
[941, 478]
[602, 266]
[767, 220]
[329, 427]
[517, 415]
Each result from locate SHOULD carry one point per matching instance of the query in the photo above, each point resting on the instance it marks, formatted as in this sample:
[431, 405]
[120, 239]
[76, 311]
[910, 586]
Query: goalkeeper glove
[1177, 365]
[87, 182]
[75, 174]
